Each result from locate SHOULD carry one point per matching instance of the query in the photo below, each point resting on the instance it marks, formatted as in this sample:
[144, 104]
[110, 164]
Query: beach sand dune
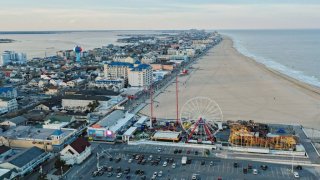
[244, 90]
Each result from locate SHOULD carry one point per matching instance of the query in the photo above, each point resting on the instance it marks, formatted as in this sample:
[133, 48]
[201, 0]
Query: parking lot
[223, 168]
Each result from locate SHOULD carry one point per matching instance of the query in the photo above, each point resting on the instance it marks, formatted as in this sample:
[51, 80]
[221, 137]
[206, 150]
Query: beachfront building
[8, 92]
[29, 136]
[140, 76]
[116, 70]
[8, 104]
[12, 57]
[108, 128]
[76, 152]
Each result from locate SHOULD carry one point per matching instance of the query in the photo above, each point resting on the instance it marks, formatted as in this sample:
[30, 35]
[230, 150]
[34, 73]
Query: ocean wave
[298, 75]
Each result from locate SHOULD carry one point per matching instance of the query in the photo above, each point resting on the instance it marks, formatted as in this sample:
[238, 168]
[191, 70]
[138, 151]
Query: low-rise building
[8, 92]
[28, 136]
[16, 121]
[5, 152]
[108, 128]
[57, 121]
[8, 104]
[26, 161]
[76, 152]
[81, 102]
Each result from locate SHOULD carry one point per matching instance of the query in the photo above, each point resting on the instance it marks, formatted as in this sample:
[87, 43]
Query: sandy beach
[244, 89]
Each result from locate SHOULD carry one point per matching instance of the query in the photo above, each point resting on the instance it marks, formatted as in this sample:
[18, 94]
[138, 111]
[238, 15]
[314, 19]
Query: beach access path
[244, 90]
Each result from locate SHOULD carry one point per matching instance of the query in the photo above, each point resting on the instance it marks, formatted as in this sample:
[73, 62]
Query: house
[52, 90]
[5, 152]
[8, 104]
[8, 92]
[76, 152]
[26, 161]
[16, 121]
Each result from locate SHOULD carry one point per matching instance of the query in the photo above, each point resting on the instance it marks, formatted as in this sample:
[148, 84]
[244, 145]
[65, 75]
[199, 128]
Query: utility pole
[151, 104]
[177, 100]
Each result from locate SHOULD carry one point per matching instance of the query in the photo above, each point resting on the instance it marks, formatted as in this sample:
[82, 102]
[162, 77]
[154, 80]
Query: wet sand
[244, 90]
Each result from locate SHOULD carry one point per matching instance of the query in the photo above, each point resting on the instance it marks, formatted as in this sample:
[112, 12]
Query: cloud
[154, 14]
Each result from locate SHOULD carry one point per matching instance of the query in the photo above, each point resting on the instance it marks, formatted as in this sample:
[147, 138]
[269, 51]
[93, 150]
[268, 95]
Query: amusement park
[200, 123]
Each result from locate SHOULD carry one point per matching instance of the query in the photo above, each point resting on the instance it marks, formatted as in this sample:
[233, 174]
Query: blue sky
[158, 14]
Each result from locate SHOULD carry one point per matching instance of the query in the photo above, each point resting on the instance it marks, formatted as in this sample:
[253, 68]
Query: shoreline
[297, 82]
[244, 89]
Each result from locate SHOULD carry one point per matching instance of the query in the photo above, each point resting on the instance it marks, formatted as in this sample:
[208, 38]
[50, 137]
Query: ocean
[295, 53]
[41, 44]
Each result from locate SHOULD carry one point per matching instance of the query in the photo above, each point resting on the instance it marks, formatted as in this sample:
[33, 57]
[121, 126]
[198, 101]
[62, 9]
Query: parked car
[173, 165]
[203, 162]
[296, 174]
[255, 171]
[245, 170]
[235, 165]
[165, 164]
[264, 167]
[299, 167]
[119, 175]
[160, 174]
[211, 163]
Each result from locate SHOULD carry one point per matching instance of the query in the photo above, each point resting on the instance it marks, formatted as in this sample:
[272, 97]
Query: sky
[21, 15]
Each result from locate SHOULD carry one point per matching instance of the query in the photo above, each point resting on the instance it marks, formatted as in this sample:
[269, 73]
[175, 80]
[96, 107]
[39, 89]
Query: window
[71, 152]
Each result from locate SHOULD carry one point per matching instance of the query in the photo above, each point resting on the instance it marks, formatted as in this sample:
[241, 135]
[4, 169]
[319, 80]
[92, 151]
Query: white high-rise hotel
[12, 57]
[137, 75]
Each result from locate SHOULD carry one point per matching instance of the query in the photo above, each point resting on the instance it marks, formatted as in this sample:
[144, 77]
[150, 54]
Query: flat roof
[141, 120]
[32, 133]
[115, 120]
[166, 135]
[85, 97]
[130, 131]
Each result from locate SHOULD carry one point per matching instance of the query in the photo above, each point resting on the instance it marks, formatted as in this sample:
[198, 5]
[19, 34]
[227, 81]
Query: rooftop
[121, 64]
[141, 67]
[6, 89]
[26, 156]
[115, 120]
[86, 97]
[32, 133]
[4, 149]
[80, 145]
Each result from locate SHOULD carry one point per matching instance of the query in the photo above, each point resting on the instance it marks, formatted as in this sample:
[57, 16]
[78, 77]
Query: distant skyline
[19, 15]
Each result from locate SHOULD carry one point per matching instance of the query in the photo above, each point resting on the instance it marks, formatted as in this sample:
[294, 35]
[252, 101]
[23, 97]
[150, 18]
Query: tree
[59, 163]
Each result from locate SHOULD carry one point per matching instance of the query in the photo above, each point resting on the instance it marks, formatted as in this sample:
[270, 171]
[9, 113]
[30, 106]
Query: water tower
[78, 51]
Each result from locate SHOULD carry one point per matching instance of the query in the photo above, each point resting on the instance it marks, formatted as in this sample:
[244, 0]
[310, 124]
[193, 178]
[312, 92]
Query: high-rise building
[12, 57]
[140, 76]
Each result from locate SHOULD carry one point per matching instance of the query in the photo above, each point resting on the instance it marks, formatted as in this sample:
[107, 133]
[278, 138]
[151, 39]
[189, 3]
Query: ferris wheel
[199, 117]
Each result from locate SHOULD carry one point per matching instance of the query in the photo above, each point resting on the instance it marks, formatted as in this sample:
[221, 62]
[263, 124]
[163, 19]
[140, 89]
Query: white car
[160, 173]
[173, 165]
[159, 149]
[119, 175]
[130, 161]
[255, 171]
[155, 173]
[165, 164]
[296, 174]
